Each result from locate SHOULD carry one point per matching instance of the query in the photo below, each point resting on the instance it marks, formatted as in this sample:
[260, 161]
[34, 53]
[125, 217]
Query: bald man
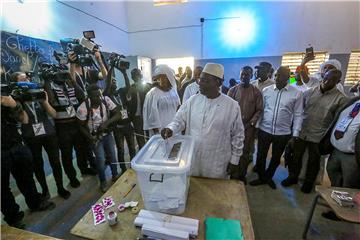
[321, 105]
[281, 120]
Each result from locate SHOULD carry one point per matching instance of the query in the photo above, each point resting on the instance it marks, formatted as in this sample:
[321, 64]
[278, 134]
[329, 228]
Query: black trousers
[84, 155]
[51, 147]
[138, 128]
[278, 146]
[120, 135]
[68, 137]
[18, 162]
[313, 165]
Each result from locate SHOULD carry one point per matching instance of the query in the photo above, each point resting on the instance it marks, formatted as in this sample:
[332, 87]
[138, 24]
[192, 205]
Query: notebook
[218, 228]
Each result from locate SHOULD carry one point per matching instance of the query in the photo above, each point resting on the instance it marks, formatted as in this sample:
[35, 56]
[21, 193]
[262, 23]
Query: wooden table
[345, 213]
[207, 198]
[10, 233]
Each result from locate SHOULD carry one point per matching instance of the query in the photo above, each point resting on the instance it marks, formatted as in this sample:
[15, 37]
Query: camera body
[60, 58]
[83, 55]
[116, 61]
[52, 72]
[24, 91]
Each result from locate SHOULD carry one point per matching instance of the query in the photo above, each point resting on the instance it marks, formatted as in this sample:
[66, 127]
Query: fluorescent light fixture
[168, 2]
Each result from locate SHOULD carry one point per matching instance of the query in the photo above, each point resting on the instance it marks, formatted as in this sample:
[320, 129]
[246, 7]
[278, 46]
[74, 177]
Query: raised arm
[303, 74]
[99, 60]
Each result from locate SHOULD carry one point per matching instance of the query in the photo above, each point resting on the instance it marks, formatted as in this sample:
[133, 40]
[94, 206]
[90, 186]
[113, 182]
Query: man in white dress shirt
[263, 75]
[214, 120]
[344, 163]
[192, 88]
[282, 117]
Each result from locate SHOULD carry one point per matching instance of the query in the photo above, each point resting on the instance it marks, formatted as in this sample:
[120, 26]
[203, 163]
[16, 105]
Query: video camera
[83, 48]
[83, 55]
[115, 60]
[61, 58]
[24, 91]
[53, 72]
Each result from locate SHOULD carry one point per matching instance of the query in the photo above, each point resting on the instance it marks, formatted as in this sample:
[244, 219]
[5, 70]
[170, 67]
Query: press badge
[124, 114]
[39, 129]
[343, 124]
[70, 110]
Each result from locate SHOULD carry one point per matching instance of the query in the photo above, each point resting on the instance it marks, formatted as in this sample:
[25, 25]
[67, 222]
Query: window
[293, 59]
[175, 63]
[167, 2]
[353, 70]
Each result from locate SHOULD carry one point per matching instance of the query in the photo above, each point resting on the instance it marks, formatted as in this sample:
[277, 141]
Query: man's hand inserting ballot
[166, 133]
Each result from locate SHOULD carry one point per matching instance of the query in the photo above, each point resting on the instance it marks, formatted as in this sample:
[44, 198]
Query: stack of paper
[163, 233]
[159, 221]
[344, 199]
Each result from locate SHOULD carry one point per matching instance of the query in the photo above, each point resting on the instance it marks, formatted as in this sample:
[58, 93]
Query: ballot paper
[170, 194]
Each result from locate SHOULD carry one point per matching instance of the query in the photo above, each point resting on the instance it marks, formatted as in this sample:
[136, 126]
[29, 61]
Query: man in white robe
[191, 90]
[214, 120]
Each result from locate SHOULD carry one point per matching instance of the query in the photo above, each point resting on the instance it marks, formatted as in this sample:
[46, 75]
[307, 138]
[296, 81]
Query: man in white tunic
[162, 101]
[190, 90]
[214, 120]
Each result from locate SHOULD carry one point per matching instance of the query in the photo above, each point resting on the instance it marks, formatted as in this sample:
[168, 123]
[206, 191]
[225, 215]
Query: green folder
[222, 229]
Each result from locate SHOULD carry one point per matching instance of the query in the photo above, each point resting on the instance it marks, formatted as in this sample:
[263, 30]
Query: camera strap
[90, 114]
[38, 128]
[82, 84]
[70, 109]
[32, 110]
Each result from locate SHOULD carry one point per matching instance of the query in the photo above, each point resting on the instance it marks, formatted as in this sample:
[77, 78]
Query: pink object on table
[98, 213]
[121, 207]
[356, 199]
[108, 202]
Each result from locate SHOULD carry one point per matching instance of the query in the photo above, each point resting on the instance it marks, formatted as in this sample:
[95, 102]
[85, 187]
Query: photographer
[63, 95]
[137, 92]
[123, 129]
[39, 132]
[16, 160]
[95, 122]
[84, 76]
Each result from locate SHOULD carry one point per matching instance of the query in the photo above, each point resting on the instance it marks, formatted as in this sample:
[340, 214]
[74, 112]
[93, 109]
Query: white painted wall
[52, 20]
[281, 27]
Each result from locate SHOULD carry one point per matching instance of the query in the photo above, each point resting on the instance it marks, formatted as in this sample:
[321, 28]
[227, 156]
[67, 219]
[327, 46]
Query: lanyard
[92, 115]
[355, 110]
[83, 85]
[32, 110]
[118, 101]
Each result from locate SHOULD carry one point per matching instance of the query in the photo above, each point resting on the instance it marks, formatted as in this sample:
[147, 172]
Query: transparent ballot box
[163, 171]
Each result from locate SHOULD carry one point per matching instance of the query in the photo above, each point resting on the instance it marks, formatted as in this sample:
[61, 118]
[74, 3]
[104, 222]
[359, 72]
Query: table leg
[310, 216]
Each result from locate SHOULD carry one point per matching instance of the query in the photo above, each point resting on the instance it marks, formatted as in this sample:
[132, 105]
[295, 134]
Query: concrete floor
[276, 214]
